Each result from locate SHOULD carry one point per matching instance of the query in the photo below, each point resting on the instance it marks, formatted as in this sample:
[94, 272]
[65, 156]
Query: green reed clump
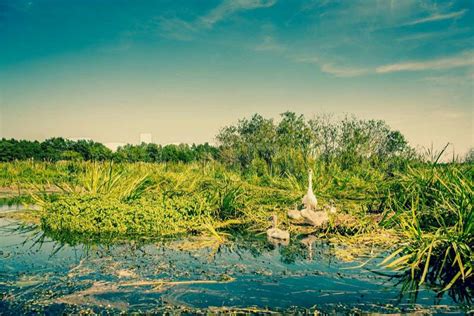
[156, 200]
[433, 209]
[108, 180]
[108, 199]
[444, 256]
[29, 174]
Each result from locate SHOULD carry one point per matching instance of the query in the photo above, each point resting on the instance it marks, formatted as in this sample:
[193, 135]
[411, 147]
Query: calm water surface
[38, 274]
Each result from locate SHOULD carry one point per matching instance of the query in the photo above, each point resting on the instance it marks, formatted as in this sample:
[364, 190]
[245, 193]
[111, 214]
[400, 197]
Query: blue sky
[109, 70]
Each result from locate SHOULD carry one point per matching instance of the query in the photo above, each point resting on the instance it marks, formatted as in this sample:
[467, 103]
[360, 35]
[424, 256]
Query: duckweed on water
[95, 214]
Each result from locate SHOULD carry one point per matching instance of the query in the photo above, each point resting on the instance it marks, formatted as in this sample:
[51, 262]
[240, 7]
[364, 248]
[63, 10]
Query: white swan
[314, 218]
[294, 213]
[276, 233]
[309, 200]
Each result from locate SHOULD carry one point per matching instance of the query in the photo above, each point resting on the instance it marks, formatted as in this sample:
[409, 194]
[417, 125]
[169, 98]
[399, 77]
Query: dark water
[39, 275]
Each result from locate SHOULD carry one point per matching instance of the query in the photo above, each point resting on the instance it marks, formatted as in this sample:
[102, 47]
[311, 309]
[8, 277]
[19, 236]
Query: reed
[427, 205]
[433, 210]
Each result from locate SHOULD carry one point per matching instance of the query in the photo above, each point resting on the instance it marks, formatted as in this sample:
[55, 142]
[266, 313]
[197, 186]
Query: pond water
[40, 275]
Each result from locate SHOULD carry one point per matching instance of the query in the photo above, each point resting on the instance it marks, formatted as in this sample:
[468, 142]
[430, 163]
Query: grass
[433, 211]
[155, 200]
[422, 212]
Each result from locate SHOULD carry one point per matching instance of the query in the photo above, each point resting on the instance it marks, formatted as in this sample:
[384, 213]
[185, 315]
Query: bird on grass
[276, 233]
[309, 213]
[309, 200]
[313, 218]
[294, 213]
[331, 207]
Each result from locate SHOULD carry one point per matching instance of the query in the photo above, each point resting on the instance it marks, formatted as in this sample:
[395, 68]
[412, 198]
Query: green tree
[293, 132]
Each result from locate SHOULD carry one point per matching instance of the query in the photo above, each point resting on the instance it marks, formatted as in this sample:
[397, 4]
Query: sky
[181, 70]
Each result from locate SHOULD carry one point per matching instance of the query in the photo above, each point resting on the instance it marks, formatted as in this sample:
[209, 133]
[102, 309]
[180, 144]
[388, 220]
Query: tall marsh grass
[433, 210]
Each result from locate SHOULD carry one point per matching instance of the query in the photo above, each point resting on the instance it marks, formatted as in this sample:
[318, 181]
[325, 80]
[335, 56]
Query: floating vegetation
[92, 214]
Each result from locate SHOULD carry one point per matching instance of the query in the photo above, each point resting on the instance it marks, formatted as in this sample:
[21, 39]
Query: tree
[250, 139]
[53, 148]
[293, 132]
[91, 150]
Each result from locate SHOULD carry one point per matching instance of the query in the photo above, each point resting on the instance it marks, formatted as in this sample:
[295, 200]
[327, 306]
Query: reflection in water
[15, 207]
[39, 274]
[308, 243]
[278, 242]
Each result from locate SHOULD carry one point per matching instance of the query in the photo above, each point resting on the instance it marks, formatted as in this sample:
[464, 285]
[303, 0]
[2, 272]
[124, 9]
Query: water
[9, 208]
[40, 275]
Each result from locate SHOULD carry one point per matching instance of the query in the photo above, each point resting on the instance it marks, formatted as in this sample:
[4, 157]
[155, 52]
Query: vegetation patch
[95, 214]
[384, 192]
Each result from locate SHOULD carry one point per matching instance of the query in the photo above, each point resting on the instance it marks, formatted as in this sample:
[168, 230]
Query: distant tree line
[55, 149]
[256, 144]
[168, 153]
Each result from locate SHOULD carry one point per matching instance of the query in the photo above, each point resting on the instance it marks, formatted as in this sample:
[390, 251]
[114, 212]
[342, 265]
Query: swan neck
[274, 221]
[310, 182]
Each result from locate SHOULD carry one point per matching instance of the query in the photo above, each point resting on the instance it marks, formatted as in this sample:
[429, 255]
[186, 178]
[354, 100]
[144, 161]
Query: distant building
[145, 138]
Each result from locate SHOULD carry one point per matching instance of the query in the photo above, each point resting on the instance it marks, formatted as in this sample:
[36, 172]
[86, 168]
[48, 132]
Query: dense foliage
[260, 167]
[155, 200]
[52, 149]
[56, 149]
[289, 146]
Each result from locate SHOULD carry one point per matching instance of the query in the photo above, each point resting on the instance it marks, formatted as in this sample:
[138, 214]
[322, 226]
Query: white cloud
[465, 59]
[228, 7]
[269, 44]
[418, 37]
[306, 59]
[177, 29]
[339, 71]
[438, 17]
[458, 80]
[331, 68]
[183, 30]
[462, 60]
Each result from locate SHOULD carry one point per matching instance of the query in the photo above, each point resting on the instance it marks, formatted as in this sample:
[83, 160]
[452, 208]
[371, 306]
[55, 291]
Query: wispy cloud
[438, 17]
[438, 35]
[339, 71]
[269, 43]
[229, 7]
[332, 68]
[186, 30]
[177, 29]
[464, 59]
[305, 59]
[458, 80]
